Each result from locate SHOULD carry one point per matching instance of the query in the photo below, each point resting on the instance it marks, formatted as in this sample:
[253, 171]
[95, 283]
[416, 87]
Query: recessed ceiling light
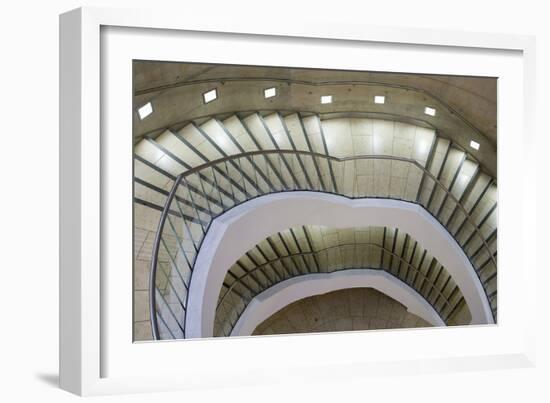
[326, 99]
[209, 96]
[429, 111]
[270, 92]
[379, 99]
[474, 145]
[145, 110]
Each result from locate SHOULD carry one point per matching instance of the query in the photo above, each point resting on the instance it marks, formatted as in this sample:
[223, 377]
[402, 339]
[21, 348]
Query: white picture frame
[94, 360]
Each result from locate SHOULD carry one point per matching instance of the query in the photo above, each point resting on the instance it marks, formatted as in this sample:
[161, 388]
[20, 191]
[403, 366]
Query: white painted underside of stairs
[238, 230]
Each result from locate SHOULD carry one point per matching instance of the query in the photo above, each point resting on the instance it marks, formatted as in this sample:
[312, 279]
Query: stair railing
[291, 259]
[202, 193]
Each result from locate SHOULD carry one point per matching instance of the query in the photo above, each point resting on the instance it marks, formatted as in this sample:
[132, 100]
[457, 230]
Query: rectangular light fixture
[210, 96]
[429, 111]
[270, 92]
[326, 99]
[379, 99]
[145, 110]
[474, 145]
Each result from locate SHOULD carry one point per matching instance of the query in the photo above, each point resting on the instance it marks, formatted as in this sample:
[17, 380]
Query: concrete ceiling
[466, 106]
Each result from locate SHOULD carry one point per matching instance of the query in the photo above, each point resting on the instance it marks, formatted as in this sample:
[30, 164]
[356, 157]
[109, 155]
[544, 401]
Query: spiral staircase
[184, 179]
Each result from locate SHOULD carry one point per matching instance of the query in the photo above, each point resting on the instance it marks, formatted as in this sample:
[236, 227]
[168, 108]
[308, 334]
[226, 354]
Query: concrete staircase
[355, 157]
[317, 249]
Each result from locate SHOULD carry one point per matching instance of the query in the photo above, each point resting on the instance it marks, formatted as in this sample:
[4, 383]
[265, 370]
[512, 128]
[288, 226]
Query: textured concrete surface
[352, 309]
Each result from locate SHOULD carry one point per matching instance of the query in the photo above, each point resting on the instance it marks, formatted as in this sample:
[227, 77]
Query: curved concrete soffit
[293, 289]
[308, 83]
[233, 233]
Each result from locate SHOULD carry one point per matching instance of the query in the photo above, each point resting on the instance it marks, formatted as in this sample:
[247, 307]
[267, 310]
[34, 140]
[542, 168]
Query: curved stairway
[316, 249]
[203, 170]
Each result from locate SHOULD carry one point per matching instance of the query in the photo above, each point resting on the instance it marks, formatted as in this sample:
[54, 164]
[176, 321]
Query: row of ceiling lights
[327, 99]
[271, 92]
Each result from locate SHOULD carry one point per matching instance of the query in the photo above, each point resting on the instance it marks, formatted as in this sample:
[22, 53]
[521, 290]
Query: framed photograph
[255, 195]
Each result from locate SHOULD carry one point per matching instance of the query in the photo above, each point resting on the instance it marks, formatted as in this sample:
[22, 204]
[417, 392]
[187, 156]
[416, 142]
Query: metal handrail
[337, 159]
[319, 251]
[185, 174]
[154, 263]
